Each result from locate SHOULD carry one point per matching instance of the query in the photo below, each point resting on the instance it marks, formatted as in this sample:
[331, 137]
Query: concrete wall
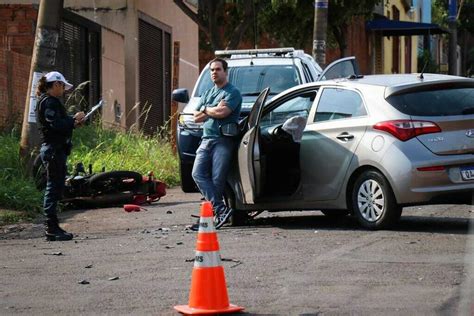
[121, 17]
[119, 22]
[113, 78]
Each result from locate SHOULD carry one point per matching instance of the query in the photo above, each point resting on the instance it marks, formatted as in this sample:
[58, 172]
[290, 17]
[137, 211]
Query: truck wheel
[373, 201]
[187, 181]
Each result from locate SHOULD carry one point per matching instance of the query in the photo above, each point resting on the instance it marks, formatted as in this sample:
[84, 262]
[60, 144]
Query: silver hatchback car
[364, 145]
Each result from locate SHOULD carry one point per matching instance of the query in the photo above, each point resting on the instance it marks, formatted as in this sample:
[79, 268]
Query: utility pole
[44, 59]
[453, 37]
[320, 31]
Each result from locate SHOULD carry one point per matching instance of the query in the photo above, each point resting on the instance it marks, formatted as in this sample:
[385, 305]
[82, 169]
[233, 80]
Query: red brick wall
[14, 77]
[17, 27]
[17, 32]
[357, 45]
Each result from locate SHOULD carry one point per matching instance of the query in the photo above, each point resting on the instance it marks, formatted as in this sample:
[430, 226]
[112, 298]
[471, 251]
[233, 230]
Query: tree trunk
[244, 24]
[340, 35]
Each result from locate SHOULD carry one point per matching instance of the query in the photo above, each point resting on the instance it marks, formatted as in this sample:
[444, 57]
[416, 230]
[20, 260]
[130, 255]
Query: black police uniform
[55, 127]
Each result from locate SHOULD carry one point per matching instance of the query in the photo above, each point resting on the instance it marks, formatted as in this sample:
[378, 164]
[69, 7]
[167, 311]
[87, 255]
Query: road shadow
[313, 221]
[428, 224]
[431, 224]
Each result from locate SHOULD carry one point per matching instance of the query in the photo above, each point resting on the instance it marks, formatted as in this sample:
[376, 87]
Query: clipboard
[94, 108]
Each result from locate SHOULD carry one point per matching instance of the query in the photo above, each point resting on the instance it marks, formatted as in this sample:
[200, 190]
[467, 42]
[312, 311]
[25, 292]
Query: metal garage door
[155, 76]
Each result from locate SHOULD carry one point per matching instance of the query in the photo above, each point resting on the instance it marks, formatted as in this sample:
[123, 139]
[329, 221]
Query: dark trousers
[54, 160]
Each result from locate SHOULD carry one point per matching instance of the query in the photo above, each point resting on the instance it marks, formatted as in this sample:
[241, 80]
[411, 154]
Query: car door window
[341, 68]
[336, 103]
[298, 105]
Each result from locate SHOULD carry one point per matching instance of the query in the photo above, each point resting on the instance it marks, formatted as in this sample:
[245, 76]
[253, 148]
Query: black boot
[55, 233]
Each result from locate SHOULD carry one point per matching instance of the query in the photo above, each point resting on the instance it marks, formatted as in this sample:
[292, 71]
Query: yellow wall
[388, 41]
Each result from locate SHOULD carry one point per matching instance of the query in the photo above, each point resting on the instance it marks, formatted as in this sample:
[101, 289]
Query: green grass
[114, 150]
[17, 190]
[94, 145]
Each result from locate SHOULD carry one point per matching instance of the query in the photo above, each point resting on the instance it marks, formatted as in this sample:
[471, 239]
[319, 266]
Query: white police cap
[57, 76]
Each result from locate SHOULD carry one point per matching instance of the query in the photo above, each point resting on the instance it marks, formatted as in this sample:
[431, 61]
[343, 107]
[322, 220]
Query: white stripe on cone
[206, 225]
[207, 259]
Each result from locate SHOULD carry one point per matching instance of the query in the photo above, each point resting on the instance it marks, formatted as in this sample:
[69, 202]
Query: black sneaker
[58, 235]
[223, 217]
[194, 227]
[55, 233]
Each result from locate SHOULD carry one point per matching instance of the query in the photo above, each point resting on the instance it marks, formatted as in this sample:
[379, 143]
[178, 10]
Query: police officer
[55, 127]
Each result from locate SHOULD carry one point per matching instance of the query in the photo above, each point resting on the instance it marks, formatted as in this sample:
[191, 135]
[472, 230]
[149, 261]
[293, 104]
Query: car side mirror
[180, 95]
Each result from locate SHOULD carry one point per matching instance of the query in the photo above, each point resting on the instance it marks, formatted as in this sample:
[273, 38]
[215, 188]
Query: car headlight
[186, 120]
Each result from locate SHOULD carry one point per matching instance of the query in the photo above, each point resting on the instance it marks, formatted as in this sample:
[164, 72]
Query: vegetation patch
[102, 148]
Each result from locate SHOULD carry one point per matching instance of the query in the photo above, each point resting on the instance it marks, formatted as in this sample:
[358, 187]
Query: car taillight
[407, 129]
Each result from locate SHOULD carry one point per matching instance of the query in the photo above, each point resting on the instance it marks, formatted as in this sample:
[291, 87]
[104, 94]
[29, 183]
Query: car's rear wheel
[187, 181]
[373, 201]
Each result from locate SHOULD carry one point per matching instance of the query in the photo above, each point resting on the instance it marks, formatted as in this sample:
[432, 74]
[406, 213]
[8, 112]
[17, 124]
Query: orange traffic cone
[208, 293]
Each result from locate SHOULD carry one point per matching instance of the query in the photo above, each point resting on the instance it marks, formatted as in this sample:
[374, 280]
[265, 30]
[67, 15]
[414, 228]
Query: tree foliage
[290, 22]
[224, 24]
[465, 15]
[340, 15]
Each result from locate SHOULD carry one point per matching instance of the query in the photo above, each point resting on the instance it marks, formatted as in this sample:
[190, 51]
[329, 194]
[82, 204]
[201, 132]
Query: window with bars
[79, 51]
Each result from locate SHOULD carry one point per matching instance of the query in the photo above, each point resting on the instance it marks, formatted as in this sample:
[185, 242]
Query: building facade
[132, 53]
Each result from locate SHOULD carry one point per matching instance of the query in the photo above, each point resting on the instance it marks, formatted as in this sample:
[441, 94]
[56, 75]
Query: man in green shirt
[219, 110]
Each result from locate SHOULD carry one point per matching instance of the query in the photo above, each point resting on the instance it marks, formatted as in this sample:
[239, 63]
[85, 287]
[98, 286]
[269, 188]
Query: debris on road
[114, 278]
[57, 253]
[84, 282]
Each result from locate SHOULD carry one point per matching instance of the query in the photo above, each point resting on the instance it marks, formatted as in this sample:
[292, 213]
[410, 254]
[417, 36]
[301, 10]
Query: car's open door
[249, 153]
[341, 68]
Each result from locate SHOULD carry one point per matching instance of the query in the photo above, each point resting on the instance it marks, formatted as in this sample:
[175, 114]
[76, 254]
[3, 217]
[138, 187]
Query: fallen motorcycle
[106, 188]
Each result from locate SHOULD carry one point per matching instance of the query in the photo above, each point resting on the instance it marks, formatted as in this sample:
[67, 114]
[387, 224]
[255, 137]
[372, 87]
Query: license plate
[467, 173]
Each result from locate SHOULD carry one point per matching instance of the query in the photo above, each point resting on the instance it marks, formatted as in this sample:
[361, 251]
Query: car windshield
[443, 102]
[251, 80]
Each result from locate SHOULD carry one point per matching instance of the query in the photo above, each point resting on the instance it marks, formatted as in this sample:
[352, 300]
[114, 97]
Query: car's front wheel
[373, 201]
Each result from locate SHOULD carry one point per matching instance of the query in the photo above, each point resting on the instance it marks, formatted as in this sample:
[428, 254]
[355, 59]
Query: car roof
[398, 83]
[246, 61]
[403, 79]
[267, 56]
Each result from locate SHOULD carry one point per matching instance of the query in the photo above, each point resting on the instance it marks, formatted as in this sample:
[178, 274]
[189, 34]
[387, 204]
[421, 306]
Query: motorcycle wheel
[115, 181]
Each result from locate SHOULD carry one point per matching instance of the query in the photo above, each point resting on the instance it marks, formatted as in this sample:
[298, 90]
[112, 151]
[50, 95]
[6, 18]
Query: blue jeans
[210, 169]
[54, 160]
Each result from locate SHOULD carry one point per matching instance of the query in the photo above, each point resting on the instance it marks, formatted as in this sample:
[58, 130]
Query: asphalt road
[291, 263]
